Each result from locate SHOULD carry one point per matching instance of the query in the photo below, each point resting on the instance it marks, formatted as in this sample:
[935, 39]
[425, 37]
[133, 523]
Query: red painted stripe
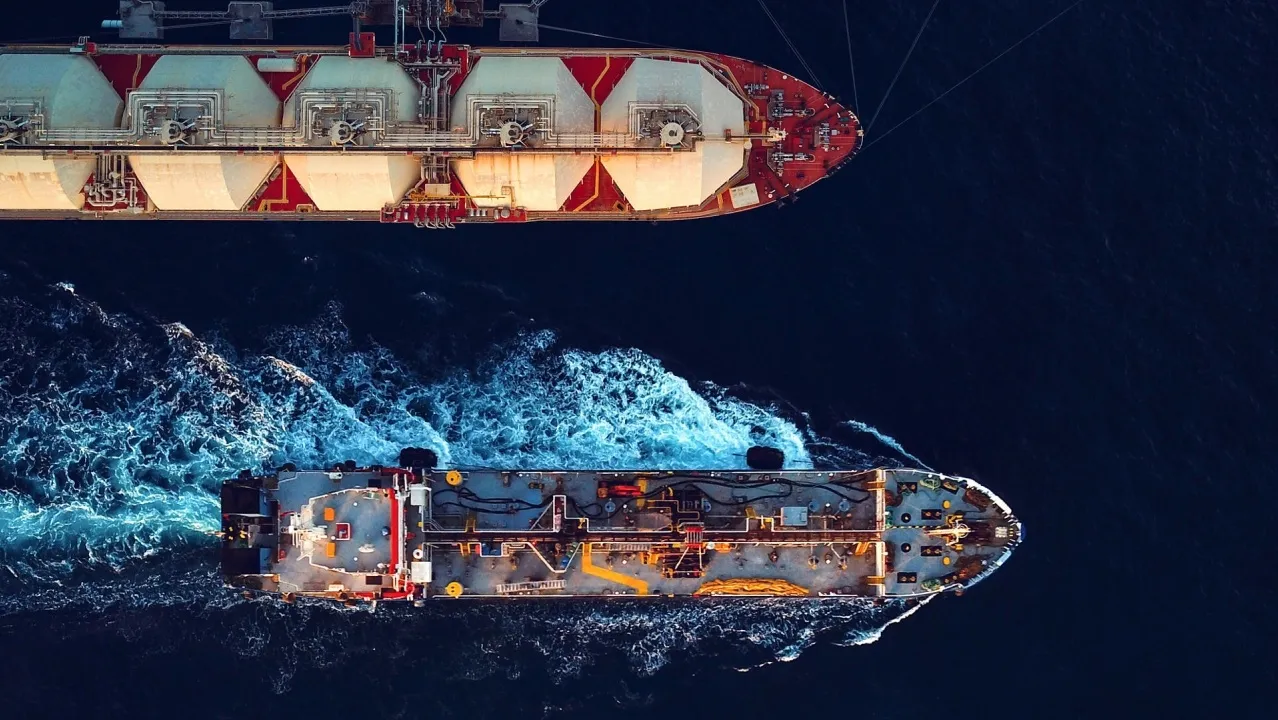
[800, 131]
[597, 192]
[460, 53]
[597, 74]
[394, 529]
[125, 72]
[282, 193]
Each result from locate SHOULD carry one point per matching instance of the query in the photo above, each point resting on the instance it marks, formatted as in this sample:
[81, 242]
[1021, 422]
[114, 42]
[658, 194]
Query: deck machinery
[413, 533]
[419, 131]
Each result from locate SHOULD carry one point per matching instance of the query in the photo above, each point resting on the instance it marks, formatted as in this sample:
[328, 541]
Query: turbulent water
[115, 432]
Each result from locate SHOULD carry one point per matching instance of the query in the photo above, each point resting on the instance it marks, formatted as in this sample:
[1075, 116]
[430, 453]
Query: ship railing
[989, 568]
[624, 546]
[398, 137]
[422, 139]
[530, 586]
[206, 137]
[202, 113]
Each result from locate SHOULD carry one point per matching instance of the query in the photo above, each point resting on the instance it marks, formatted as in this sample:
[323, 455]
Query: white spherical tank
[71, 93]
[524, 178]
[653, 181]
[354, 182]
[204, 180]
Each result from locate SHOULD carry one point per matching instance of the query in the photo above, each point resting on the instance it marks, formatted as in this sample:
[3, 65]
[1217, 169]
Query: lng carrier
[419, 131]
[415, 532]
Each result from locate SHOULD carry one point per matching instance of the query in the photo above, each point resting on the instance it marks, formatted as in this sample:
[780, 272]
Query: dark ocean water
[1056, 280]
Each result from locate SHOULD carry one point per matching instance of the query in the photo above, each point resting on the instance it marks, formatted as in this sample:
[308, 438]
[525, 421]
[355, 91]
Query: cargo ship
[415, 532]
[420, 132]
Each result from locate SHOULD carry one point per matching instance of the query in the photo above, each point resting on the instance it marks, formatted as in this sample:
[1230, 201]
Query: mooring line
[597, 35]
[998, 57]
[786, 38]
[847, 29]
[903, 62]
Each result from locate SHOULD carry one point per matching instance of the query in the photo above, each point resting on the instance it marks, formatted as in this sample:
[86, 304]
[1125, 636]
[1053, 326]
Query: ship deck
[786, 135]
[396, 534]
[345, 539]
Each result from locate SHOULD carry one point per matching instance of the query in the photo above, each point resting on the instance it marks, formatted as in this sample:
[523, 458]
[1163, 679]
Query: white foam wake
[115, 434]
[887, 440]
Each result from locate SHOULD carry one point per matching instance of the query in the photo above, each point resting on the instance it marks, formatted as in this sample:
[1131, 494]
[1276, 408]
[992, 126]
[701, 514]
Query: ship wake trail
[115, 433]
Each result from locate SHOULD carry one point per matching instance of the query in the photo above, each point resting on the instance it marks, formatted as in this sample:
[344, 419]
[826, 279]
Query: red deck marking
[283, 193]
[409, 588]
[804, 135]
[596, 193]
[800, 131]
[394, 530]
[598, 75]
[460, 53]
[367, 45]
[455, 184]
[125, 72]
[282, 84]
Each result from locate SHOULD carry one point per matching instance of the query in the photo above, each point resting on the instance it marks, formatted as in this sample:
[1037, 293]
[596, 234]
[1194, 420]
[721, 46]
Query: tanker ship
[414, 532]
[422, 132]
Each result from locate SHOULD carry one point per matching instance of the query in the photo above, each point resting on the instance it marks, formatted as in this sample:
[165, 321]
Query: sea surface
[1057, 280]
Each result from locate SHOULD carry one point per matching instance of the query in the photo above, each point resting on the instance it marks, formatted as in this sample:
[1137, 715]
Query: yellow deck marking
[136, 72]
[267, 205]
[590, 568]
[593, 88]
[302, 61]
[591, 199]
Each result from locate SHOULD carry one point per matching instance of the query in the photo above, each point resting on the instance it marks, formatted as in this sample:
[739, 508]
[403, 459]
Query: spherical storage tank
[653, 181]
[73, 94]
[205, 180]
[357, 181]
[525, 178]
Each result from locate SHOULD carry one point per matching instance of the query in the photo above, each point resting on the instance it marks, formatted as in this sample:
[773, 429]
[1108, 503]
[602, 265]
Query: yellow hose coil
[751, 586]
[453, 478]
[453, 589]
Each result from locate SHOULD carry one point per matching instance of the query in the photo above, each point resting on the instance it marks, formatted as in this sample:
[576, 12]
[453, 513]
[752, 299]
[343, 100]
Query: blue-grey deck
[907, 526]
[841, 533]
[306, 567]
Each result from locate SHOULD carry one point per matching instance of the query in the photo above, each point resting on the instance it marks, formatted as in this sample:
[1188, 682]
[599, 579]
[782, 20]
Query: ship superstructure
[413, 533]
[426, 133]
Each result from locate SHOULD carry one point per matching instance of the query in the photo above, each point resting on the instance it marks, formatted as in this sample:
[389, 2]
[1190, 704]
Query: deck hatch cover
[420, 573]
[796, 516]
